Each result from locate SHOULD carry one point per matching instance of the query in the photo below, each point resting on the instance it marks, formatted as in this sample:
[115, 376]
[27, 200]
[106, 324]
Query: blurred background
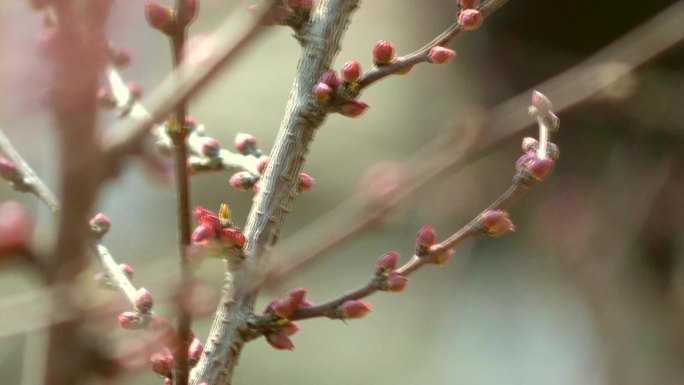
[589, 289]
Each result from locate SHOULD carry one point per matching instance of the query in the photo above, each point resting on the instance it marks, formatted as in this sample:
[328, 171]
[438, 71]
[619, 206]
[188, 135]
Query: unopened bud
[541, 102]
[470, 19]
[530, 144]
[262, 163]
[353, 108]
[202, 234]
[441, 55]
[389, 261]
[130, 320]
[291, 328]
[540, 168]
[210, 147]
[243, 181]
[279, 341]
[396, 282]
[306, 182]
[8, 169]
[162, 364]
[297, 296]
[351, 71]
[194, 351]
[127, 270]
[426, 236]
[193, 11]
[352, 309]
[283, 307]
[199, 212]
[100, 225]
[233, 236]
[212, 221]
[383, 52]
[322, 92]
[497, 222]
[330, 78]
[246, 144]
[159, 17]
[143, 300]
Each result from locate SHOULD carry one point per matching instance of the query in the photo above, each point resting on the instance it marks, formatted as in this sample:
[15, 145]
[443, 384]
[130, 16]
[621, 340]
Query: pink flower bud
[396, 282]
[199, 212]
[354, 108]
[100, 224]
[246, 144]
[211, 221]
[497, 222]
[529, 144]
[330, 78]
[426, 236]
[262, 163]
[283, 307]
[389, 261]
[541, 102]
[162, 364]
[352, 309]
[202, 234]
[470, 19]
[8, 170]
[210, 147]
[195, 351]
[279, 341]
[296, 296]
[540, 168]
[233, 236]
[143, 300]
[306, 182]
[291, 328]
[130, 320]
[383, 52]
[351, 71]
[242, 181]
[159, 17]
[322, 92]
[127, 270]
[120, 57]
[16, 227]
[466, 4]
[440, 55]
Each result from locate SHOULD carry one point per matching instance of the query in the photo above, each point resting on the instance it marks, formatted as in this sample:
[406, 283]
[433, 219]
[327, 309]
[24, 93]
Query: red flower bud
[470, 19]
[143, 300]
[351, 71]
[100, 224]
[16, 227]
[322, 92]
[202, 234]
[162, 364]
[540, 168]
[383, 52]
[211, 221]
[8, 170]
[306, 182]
[210, 147]
[352, 309]
[130, 320]
[127, 270]
[396, 282]
[242, 181]
[426, 236]
[159, 17]
[283, 307]
[440, 55]
[354, 108]
[497, 222]
[199, 212]
[262, 163]
[330, 78]
[233, 236]
[279, 341]
[389, 261]
[195, 351]
[246, 144]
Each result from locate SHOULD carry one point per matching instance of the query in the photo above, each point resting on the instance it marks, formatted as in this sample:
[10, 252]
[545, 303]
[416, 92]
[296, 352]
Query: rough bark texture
[320, 44]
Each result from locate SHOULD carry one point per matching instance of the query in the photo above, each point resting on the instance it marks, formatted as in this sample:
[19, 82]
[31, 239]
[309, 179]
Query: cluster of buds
[282, 308]
[141, 315]
[285, 12]
[389, 280]
[166, 20]
[104, 280]
[330, 90]
[496, 223]
[213, 227]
